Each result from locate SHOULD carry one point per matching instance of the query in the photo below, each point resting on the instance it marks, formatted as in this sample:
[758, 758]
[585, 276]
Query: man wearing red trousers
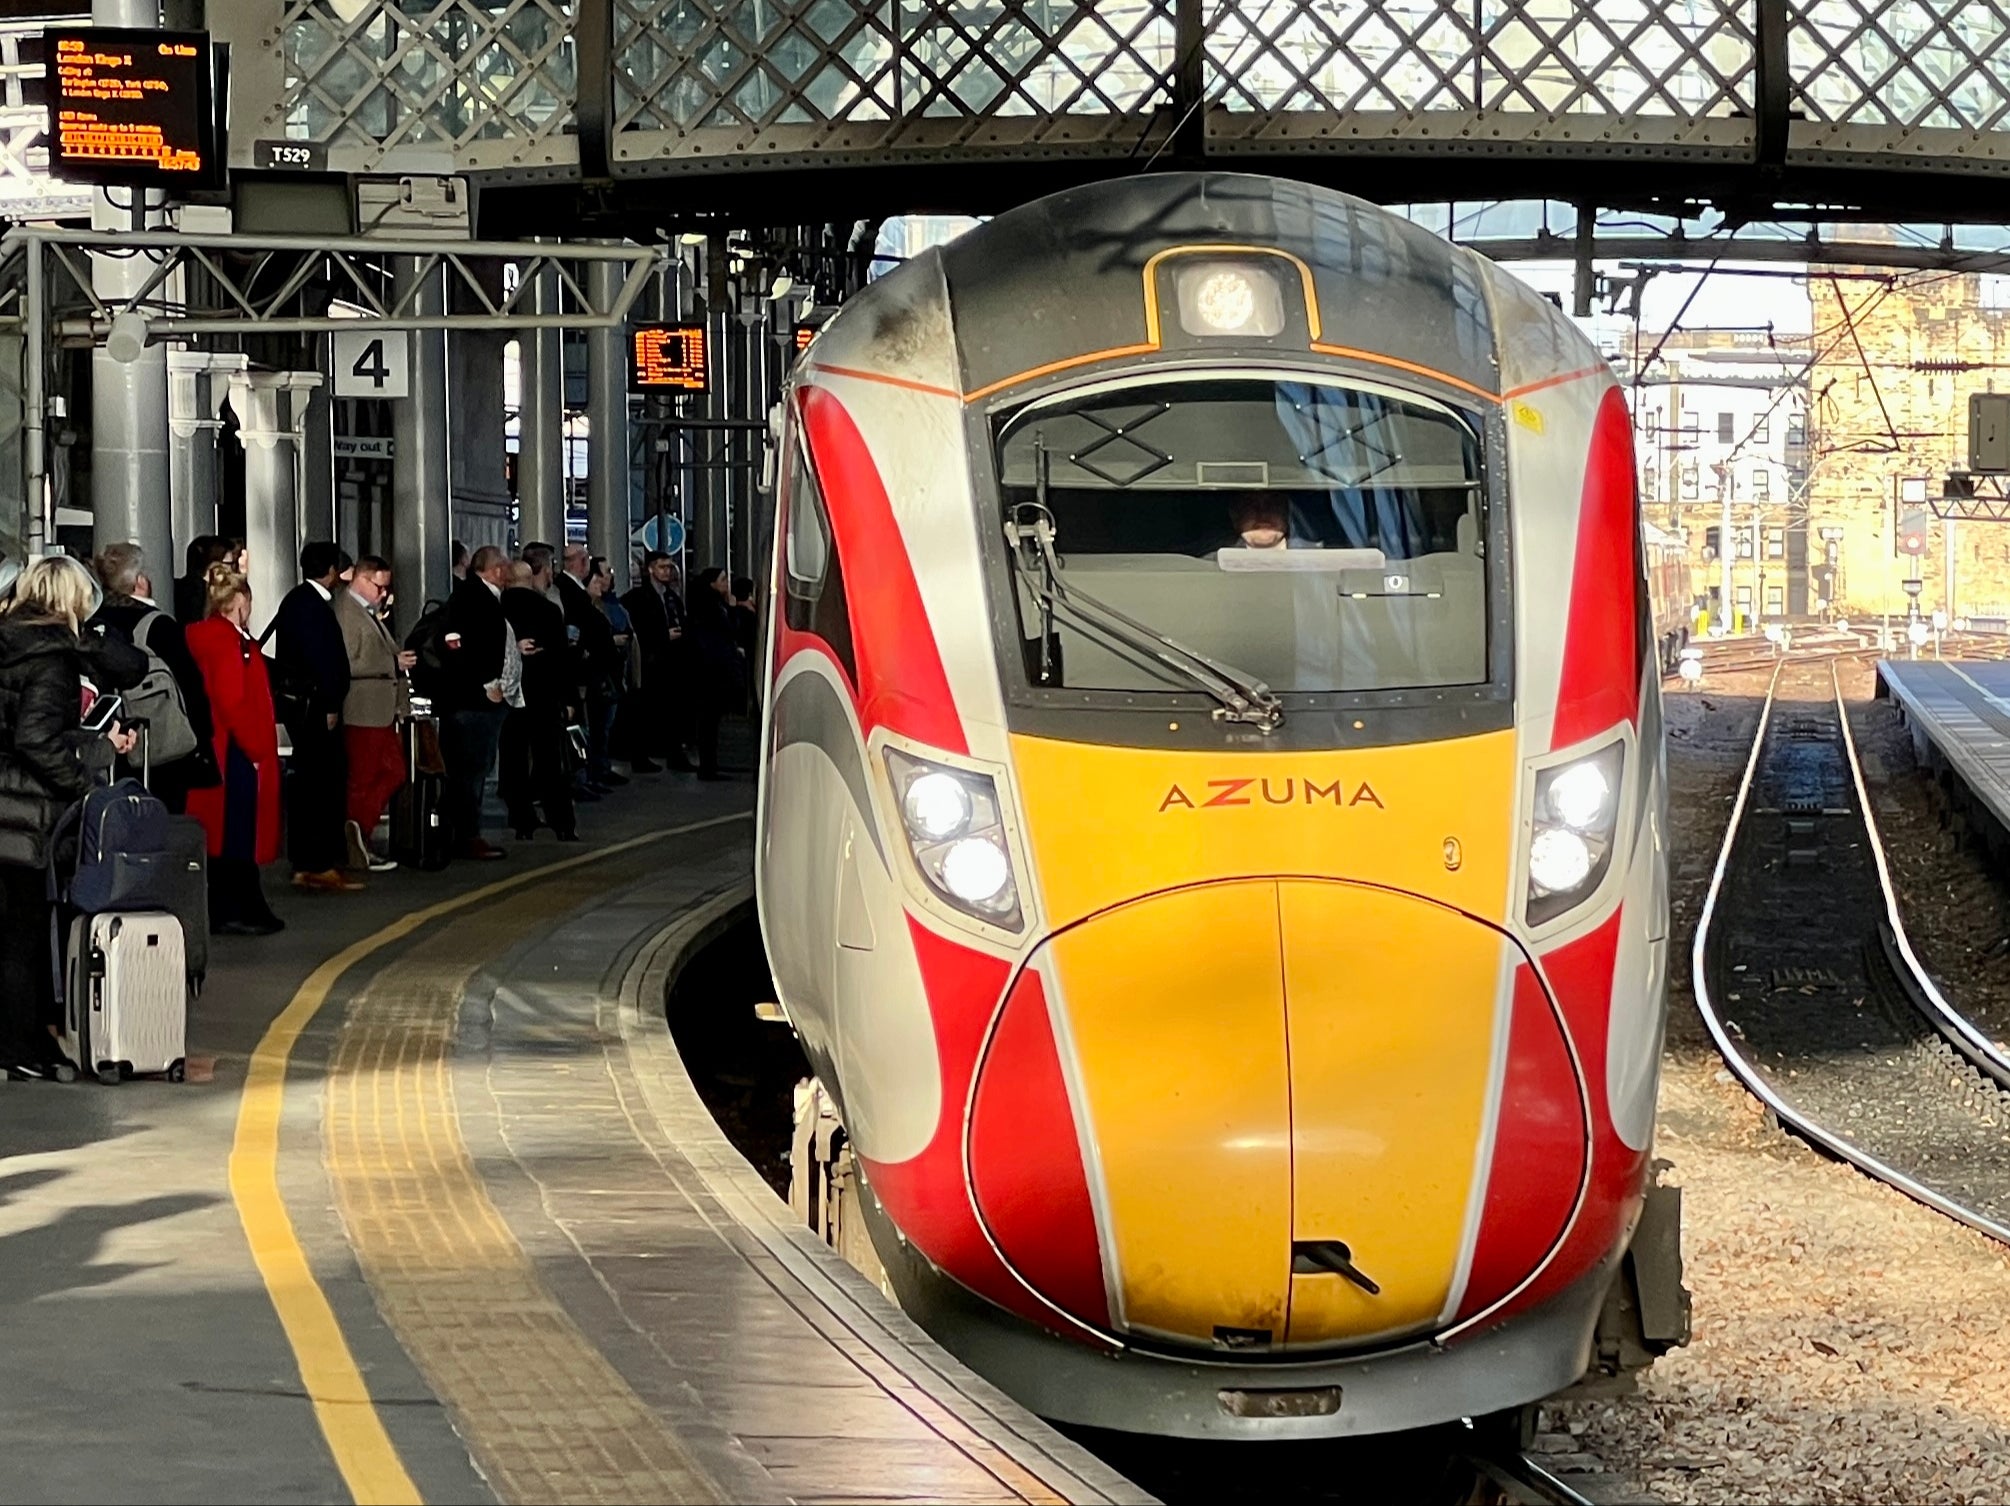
[378, 701]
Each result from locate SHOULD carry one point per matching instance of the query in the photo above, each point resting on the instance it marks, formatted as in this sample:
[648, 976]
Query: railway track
[1807, 982]
[1742, 655]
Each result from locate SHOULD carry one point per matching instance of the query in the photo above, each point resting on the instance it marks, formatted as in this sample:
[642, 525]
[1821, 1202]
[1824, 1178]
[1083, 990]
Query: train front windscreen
[1308, 536]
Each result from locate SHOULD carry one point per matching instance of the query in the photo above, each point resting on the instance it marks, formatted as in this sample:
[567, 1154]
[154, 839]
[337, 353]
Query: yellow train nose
[1285, 1083]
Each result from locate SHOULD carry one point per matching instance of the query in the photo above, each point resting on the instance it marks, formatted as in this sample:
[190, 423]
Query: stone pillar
[265, 403]
[421, 517]
[198, 382]
[130, 497]
[540, 470]
[607, 478]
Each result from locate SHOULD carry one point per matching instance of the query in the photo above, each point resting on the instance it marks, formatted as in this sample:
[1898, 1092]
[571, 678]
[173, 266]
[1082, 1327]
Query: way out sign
[372, 364]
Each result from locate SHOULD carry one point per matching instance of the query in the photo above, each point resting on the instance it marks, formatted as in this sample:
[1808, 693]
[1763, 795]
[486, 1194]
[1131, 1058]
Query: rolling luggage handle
[142, 729]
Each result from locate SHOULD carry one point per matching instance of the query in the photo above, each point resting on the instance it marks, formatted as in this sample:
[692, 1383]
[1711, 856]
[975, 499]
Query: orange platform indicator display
[804, 334]
[132, 107]
[670, 358]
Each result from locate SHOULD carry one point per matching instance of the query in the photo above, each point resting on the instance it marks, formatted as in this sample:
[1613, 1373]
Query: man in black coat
[130, 614]
[601, 661]
[657, 612]
[311, 674]
[716, 671]
[533, 766]
[484, 680]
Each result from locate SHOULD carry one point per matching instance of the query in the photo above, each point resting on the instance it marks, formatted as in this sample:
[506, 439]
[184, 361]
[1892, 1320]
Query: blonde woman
[46, 764]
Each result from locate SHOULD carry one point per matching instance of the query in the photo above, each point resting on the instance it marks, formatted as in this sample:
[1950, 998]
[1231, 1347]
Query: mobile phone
[105, 711]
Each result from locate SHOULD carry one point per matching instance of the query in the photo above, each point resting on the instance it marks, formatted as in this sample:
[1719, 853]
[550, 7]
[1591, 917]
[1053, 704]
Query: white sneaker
[382, 865]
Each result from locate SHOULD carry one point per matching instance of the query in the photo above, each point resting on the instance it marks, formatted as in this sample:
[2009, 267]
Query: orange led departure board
[670, 358]
[804, 334]
[130, 106]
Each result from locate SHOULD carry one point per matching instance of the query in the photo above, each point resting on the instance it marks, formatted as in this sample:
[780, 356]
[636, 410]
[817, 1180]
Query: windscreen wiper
[1029, 538]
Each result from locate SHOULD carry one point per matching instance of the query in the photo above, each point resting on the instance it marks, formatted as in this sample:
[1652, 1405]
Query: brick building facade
[1888, 390]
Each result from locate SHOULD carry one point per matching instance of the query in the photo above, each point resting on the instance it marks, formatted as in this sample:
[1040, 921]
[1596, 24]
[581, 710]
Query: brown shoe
[480, 851]
[328, 881]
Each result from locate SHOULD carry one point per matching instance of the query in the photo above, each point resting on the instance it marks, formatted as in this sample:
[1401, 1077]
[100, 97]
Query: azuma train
[1212, 826]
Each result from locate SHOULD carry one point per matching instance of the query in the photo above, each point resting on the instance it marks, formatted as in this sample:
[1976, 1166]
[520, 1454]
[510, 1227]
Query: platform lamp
[126, 341]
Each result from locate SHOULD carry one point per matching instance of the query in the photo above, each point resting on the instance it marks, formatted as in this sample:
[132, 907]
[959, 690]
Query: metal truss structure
[242, 285]
[1976, 497]
[26, 189]
[1806, 99]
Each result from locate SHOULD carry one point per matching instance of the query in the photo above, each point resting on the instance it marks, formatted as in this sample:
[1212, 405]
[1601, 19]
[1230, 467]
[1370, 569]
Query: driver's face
[1261, 523]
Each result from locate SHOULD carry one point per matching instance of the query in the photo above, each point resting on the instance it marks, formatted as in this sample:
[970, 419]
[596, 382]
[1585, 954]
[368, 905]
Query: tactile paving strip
[546, 1417]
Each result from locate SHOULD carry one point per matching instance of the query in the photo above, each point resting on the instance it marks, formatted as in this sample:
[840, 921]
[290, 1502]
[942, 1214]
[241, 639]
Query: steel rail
[1743, 1068]
[1524, 1481]
[1959, 1031]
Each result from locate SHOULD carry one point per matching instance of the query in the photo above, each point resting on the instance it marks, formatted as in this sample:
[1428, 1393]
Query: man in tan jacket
[379, 699]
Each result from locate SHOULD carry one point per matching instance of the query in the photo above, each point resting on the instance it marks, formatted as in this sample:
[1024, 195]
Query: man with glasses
[379, 700]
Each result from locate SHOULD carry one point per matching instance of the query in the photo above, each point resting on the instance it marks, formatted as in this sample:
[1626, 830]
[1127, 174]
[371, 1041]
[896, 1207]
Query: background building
[1720, 432]
[1895, 360]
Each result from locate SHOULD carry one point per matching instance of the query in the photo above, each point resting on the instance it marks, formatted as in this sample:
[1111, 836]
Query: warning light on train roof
[1221, 300]
[670, 358]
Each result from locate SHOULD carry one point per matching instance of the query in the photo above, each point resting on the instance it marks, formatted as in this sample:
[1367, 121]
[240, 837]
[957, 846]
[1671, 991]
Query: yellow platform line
[363, 1451]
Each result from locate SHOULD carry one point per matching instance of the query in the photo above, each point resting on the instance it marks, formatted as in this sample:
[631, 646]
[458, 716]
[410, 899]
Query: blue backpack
[123, 856]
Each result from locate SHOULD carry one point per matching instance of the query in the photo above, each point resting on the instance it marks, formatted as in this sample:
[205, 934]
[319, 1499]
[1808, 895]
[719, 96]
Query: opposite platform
[1959, 713]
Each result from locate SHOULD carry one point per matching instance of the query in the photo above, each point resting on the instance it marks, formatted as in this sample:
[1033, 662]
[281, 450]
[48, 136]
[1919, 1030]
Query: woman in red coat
[242, 814]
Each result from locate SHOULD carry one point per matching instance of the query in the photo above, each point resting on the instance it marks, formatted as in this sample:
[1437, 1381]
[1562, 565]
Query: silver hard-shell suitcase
[127, 1002]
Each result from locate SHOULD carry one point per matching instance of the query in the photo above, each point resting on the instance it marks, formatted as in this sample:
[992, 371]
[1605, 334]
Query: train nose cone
[1279, 1089]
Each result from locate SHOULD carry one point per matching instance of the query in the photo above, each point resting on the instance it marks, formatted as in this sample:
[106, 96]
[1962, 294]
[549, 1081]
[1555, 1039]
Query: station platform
[440, 1217]
[1959, 715]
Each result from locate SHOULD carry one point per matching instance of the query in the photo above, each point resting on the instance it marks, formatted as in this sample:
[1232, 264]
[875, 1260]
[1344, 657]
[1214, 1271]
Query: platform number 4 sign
[372, 364]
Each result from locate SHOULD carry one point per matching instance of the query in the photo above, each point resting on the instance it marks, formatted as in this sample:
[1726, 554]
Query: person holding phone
[47, 760]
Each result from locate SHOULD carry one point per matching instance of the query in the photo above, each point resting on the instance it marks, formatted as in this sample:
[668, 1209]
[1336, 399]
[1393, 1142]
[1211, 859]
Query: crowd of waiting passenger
[325, 735]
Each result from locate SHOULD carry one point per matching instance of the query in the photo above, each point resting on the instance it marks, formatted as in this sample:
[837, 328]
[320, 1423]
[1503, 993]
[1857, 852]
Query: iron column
[130, 496]
[421, 503]
[540, 423]
[607, 478]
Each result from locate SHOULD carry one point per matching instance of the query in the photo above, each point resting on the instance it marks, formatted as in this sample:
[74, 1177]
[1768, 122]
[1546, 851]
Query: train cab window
[1313, 536]
[812, 579]
[808, 551]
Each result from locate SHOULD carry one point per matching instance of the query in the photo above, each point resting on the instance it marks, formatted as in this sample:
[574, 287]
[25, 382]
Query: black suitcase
[418, 830]
[418, 839]
[187, 894]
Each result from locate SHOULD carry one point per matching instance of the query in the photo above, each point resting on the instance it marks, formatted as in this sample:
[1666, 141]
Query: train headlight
[1580, 796]
[1559, 862]
[1576, 817]
[1225, 299]
[937, 806]
[976, 871]
[955, 827]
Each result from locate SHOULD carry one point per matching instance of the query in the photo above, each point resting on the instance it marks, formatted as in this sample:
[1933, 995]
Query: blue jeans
[469, 738]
